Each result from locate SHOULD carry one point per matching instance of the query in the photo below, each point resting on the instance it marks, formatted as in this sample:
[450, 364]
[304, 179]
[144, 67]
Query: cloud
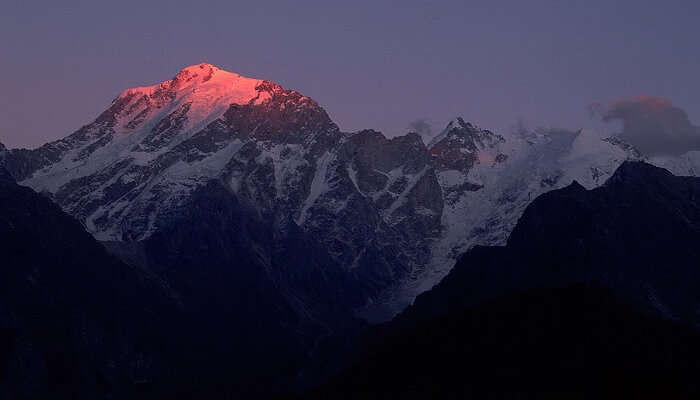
[651, 124]
[423, 128]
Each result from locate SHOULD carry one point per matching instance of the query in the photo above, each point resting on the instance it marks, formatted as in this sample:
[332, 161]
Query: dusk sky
[370, 64]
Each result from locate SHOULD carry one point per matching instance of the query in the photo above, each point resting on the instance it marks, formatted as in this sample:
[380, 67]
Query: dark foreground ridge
[580, 341]
[74, 321]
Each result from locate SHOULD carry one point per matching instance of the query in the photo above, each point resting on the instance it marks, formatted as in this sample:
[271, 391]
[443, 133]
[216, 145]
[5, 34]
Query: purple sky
[371, 64]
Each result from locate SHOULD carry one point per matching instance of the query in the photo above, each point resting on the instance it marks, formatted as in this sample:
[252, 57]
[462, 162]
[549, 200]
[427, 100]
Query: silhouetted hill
[74, 321]
[580, 341]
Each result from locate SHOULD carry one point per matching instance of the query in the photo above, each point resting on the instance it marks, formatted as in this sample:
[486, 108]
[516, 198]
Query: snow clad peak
[206, 83]
[460, 124]
[200, 73]
[196, 96]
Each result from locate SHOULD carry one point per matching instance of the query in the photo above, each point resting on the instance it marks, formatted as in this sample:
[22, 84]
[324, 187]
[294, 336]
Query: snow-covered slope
[393, 213]
[485, 199]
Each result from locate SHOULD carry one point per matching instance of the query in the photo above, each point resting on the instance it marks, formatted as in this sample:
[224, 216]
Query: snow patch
[319, 185]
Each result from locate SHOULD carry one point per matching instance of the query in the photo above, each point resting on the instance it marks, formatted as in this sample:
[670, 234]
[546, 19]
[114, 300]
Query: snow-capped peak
[143, 123]
[207, 86]
[450, 125]
[457, 127]
[461, 144]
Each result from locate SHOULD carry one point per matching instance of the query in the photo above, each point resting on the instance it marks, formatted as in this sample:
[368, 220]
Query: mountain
[635, 234]
[595, 294]
[391, 214]
[125, 174]
[262, 233]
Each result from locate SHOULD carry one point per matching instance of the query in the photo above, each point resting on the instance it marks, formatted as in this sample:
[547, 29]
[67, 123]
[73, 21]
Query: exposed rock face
[461, 145]
[394, 214]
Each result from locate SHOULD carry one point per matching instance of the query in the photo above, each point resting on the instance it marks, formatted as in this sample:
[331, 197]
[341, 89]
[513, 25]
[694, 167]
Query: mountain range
[392, 213]
[260, 232]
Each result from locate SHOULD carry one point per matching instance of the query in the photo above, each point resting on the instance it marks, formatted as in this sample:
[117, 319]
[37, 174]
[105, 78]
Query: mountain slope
[595, 294]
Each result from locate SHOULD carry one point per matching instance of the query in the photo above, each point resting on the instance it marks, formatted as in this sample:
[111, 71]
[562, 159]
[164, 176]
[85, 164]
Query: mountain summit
[201, 93]
[157, 143]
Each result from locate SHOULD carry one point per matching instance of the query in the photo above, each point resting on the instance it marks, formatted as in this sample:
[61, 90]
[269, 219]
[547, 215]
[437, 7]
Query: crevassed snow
[352, 174]
[319, 184]
[401, 200]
